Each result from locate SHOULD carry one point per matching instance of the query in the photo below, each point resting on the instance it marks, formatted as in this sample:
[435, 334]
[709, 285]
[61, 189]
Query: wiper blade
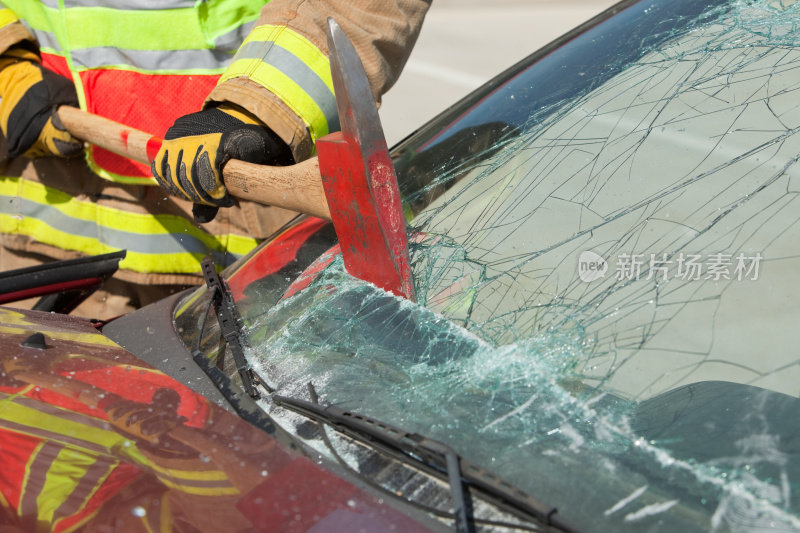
[230, 323]
[434, 456]
[422, 449]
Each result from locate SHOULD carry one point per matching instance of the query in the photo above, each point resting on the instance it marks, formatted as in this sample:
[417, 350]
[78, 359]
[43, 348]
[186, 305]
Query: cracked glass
[605, 245]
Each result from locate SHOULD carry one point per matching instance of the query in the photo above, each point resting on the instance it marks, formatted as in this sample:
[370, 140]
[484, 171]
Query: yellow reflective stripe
[4, 502]
[5, 505]
[10, 319]
[192, 475]
[162, 522]
[65, 474]
[99, 26]
[7, 17]
[165, 520]
[301, 47]
[282, 49]
[85, 338]
[166, 29]
[160, 243]
[138, 262]
[35, 422]
[200, 491]
[188, 302]
[145, 520]
[59, 335]
[49, 235]
[75, 431]
[14, 317]
[109, 440]
[286, 89]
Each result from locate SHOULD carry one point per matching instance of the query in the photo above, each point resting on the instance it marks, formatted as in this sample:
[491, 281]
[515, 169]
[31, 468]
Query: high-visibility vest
[140, 66]
[144, 64]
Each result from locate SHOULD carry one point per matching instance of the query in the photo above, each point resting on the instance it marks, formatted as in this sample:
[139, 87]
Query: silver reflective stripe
[168, 243]
[232, 40]
[155, 60]
[46, 39]
[217, 58]
[282, 59]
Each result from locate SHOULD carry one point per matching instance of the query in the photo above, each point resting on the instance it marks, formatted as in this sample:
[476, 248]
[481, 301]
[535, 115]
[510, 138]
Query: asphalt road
[464, 43]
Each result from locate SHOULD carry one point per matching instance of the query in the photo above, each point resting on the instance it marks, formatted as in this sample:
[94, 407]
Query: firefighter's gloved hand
[197, 146]
[29, 97]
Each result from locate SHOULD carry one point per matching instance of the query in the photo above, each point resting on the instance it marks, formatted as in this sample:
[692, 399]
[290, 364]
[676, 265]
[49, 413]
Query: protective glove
[197, 146]
[30, 95]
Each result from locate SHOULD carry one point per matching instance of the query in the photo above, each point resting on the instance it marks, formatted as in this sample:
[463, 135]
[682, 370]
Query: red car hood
[131, 448]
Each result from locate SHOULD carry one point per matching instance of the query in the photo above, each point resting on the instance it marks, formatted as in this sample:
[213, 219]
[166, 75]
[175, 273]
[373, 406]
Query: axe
[351, 182]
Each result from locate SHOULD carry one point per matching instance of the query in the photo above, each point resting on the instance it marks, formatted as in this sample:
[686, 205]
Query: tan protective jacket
[286, 42]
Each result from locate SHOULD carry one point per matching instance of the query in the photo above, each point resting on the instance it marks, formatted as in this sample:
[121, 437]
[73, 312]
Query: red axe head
[359, 179]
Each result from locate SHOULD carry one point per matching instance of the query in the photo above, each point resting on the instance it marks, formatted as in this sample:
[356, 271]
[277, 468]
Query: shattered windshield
[604, 244]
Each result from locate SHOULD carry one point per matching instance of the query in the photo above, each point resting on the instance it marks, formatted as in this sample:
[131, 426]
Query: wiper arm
[421, 449]
[230, 323]
[434, 456]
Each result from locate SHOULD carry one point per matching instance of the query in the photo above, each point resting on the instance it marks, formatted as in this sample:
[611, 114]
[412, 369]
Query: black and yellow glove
[31, 94]
[197, 146]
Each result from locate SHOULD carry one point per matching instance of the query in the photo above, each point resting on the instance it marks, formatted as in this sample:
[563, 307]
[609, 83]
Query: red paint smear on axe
[153, 146]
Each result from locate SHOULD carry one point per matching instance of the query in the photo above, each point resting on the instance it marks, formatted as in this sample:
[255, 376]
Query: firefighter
[218, 80]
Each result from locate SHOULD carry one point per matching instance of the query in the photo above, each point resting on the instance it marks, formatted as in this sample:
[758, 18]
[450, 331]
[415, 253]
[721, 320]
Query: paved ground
[464, 43]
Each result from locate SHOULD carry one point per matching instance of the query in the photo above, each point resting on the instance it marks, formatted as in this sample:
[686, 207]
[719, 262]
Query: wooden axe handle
[296, 187]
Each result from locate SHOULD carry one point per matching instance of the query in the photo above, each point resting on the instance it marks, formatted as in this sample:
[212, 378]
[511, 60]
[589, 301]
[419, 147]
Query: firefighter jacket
[145, 64]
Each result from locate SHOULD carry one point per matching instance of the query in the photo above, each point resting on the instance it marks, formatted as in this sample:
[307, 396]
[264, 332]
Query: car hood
[145, 449]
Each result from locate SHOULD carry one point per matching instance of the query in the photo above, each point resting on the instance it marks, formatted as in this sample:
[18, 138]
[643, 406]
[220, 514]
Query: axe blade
[359, 179]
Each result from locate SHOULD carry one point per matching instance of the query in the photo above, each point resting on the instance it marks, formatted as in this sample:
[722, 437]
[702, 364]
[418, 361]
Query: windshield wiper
[421, 449]
[230, 324]
[432, 456]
